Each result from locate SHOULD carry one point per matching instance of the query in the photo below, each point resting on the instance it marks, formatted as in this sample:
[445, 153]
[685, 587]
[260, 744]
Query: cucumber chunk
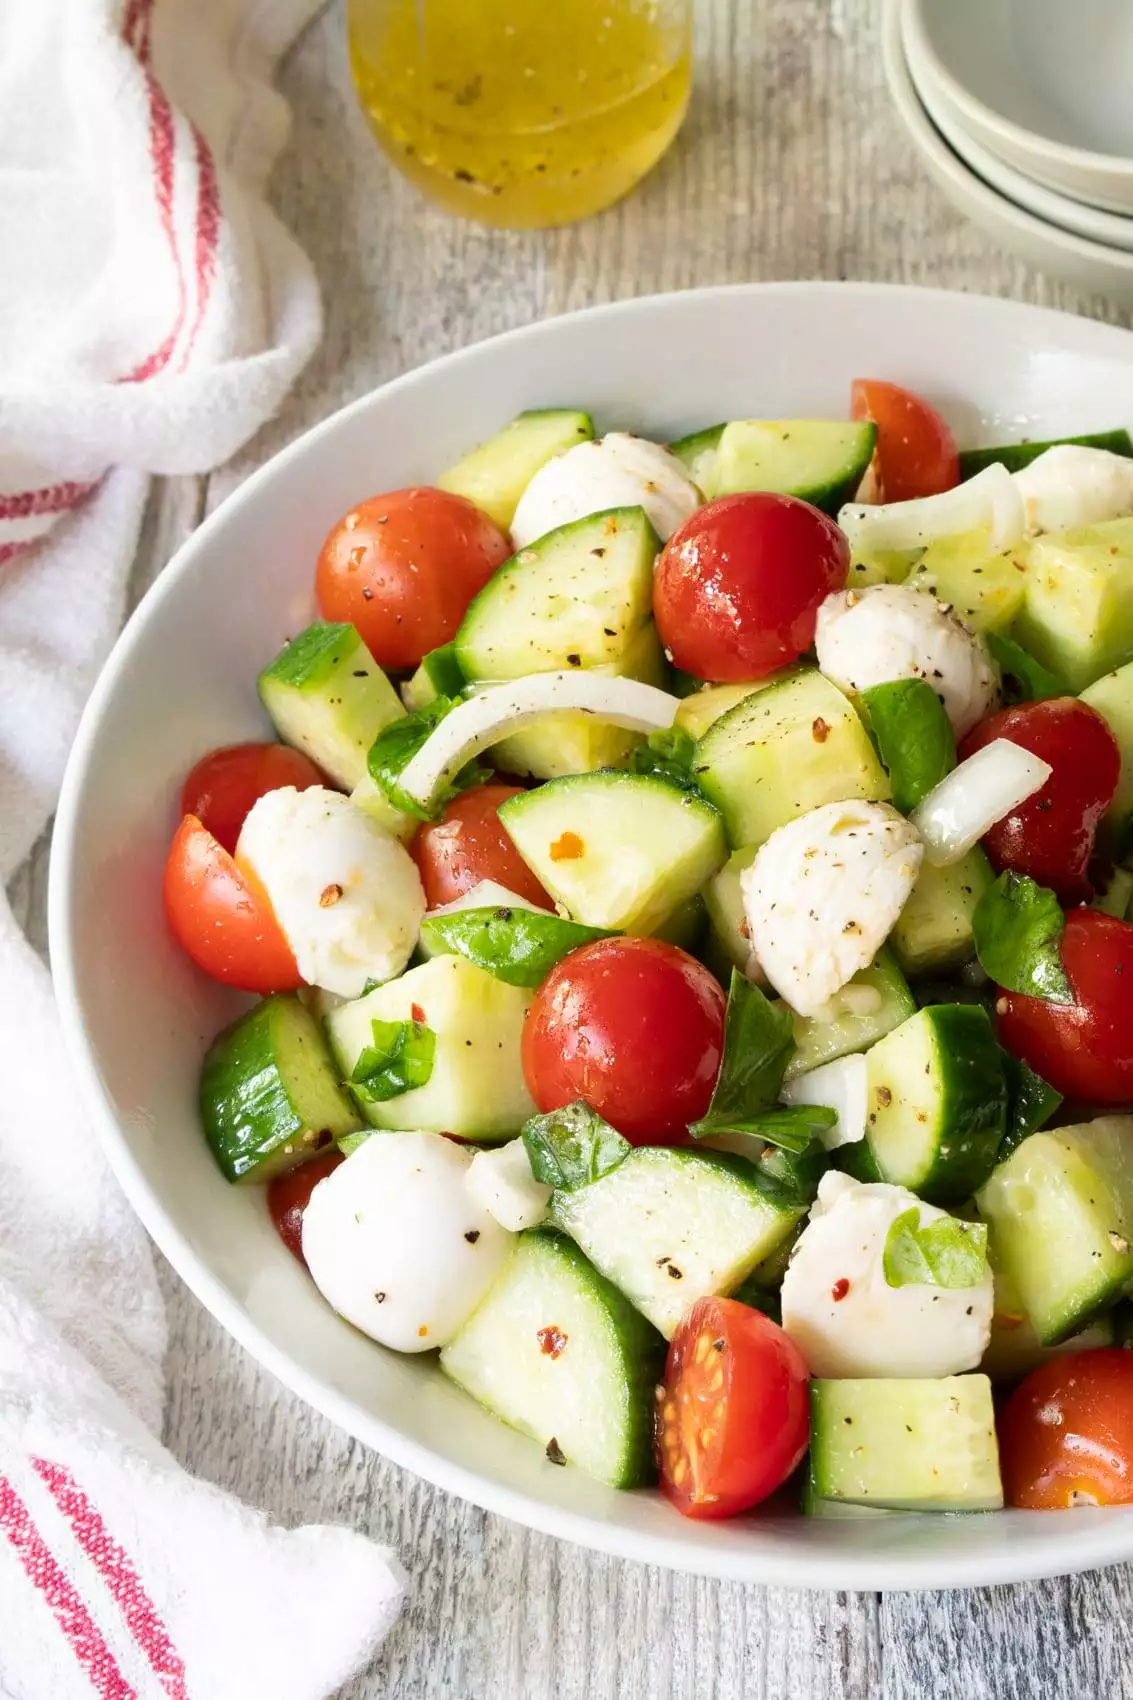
[556, 1351]
[1015, 456]
[1112, 697]
[495, 475]
[439, 675]
[476, 1089]
[1060, 1223]
[724, 901]
[985, 588]
[937, 1105]
[812, 1505]
[906, 1445]
[269, 1094]
[821, 460]
[618, 850]
[329, 698]
[1077, 613]
[787, 750]
[934, 930]
[670, 1226]
[697, 453]
[868, 1007]
[1013, 1351]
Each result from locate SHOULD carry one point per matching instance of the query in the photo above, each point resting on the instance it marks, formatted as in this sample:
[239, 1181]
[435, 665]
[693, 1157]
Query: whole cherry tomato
[1085, 1049]
[290, 1194]
[732, 1418]
[1066, 1433]
[469, 844]
[1051, 835]
[916, 453]
[737, 587]
[634, 1026]
[403, 567]
[220, 915]
[222, 787]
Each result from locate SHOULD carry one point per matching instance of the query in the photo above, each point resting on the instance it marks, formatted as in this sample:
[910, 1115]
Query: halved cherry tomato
[916, 452]
[468, 844]
[1051, 835]
[403, 567]
[222, 787]
[220, 915]
[1085, 1049]
[1066, 1433]
[634, 1026]
[290, 1194]
[737, 587]
[732, 1418]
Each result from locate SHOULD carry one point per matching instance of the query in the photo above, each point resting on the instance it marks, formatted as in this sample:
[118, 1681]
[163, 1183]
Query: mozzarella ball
[823, 894]
[346, 894]
[842, 1313]
[1075, 485]
[397, 1244]
[890, 631]
[617, 471]
[501, 1181]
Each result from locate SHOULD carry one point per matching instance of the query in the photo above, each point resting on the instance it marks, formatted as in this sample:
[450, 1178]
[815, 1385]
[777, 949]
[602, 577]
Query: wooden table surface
[791, 165]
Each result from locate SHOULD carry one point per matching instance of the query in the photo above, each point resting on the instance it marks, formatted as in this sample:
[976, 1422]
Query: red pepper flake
[329, 896]
[552, 1341]
[417, 1013]
[820, 730]
[568, 847]
[839, 1290]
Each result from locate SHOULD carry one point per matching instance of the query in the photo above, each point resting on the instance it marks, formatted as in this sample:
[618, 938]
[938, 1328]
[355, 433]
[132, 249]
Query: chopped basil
[396, 745]
[1017, 927]
[914, 738]
[571, 1147]
[944, 1253]
[796, 1174]
[399, 1059]
[666, 755]
[758, 1044]
[1031, 1101]
[791, 1128]
[519, 946]
[1024, 678]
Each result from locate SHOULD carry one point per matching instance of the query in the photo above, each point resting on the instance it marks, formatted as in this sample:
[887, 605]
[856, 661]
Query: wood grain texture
[791, 166]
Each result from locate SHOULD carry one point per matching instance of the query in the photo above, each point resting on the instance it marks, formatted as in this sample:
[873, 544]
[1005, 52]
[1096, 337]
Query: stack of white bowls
[1022, 111]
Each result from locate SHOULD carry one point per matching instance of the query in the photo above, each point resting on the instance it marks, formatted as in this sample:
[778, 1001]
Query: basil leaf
[1031, 1101]
[571, 1147]
[1017, 927]
[666, 755]
[758, 1044]
[518, 946]
[396, 745]
[914, 738]
[796, 1174]
[1024, 678]
[791, 1128]
[766, 1299]
[944, 1253]
[399, 1060]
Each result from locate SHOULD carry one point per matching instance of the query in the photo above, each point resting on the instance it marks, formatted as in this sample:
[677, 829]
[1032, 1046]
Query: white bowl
[1044, 84]
[1091, 265]
[137, 1016]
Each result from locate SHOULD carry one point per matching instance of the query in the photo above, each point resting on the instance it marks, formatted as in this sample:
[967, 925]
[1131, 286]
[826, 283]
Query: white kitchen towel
[153, 312]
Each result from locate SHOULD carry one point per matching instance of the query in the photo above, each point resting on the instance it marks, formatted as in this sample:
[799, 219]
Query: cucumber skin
[1017, 455]
[310, 658]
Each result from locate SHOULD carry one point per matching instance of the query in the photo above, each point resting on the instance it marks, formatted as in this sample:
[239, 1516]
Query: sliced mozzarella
[501, 1182]
[968, 801]
[840, 1086]
[990, 501]
[487, 894]
[347, 896]
[823, 894]
[617, 471]
[891, 631]
[397, 1243]
[844, 1316]
[1072, 484]
[500, 710]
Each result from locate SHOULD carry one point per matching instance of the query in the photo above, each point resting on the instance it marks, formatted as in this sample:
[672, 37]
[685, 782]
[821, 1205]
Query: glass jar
[523, 112]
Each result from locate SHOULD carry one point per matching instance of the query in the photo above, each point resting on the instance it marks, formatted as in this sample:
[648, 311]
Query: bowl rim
[836, 1568]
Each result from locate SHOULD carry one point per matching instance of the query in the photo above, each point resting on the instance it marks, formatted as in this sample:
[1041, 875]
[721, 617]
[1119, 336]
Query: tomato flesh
[732, 1418]
[469, 844]
[1066, 1433]
[1051, 835]
[290, 1194]
[221, 916]
[916, 452]
[222, 787]
[403, 568]
[738, 586]
[634, 1026]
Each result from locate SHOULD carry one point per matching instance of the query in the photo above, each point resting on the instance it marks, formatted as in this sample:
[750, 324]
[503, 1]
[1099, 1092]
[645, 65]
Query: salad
[687, 907]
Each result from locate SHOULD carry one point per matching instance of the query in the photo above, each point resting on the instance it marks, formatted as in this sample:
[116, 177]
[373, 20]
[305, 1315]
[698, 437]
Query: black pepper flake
[367, 593]
[574, 660]
[380, 1297]
[555, 1453]
[472, 1235]
[718, 1345]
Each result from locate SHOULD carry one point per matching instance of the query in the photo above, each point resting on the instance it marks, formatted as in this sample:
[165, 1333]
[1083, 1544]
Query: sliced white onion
[500, 1182]
[486, 894]
[500, 710]
[990, 501]
[839, 1086]
[983, 789]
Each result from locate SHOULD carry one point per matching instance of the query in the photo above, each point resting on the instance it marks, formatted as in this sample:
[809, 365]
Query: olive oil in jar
[523, 112]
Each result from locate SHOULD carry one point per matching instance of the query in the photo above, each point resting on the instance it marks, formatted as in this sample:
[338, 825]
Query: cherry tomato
[1051, 835]
[220, 915]
[403, 567]
[732, 1418]
[634, 1026]
[1066, 1433]
[916, 452]
[468, 844]
[290, 1194]
[737, 587]
[222, 787]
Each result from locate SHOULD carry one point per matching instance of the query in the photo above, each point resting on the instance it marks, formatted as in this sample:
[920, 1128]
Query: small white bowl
[1093, 266]
[1044, 84]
